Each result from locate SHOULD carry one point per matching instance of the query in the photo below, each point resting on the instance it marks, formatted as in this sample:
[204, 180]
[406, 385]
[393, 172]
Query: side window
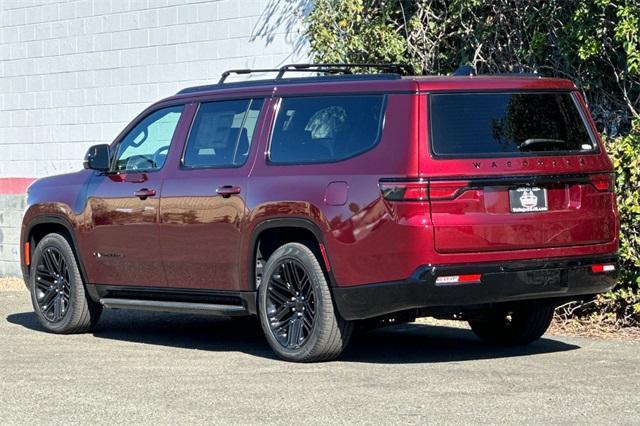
[221, 134]
[146, 146]
[325, 129]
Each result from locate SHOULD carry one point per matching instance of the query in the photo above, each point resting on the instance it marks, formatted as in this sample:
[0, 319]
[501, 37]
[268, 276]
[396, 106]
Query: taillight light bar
[598, 269]
[420, 189]
[458, 279]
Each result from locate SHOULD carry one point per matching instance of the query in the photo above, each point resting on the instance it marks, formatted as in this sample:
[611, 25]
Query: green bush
[624, 301]
[595, 43]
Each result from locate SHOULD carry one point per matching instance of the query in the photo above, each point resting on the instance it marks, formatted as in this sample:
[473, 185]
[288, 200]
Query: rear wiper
[534, 143]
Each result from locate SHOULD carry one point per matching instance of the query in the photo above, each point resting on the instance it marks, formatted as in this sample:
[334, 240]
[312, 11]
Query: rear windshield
[481, 124]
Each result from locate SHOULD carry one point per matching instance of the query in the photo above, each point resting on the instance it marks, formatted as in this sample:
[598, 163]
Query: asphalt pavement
[140, 367]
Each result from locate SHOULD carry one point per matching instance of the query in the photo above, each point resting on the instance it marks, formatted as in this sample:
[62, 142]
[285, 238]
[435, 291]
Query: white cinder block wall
[74, 72]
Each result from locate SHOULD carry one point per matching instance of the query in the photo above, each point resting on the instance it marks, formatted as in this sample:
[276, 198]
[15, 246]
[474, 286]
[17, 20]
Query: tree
[596, 43]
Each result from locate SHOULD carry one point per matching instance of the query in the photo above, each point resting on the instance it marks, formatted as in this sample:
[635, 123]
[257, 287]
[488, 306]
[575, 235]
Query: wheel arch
[270, 234]
[40, 226]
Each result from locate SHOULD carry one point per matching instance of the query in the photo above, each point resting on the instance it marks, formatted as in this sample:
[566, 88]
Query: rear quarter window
[507, 124]
[325, 129]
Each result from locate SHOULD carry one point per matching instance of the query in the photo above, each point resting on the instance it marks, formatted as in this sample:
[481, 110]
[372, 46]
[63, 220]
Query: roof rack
[337, 68]
[287, 80]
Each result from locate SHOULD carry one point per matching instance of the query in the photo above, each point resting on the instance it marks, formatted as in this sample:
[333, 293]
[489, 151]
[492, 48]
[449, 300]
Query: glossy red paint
[201, 231]
[189, 236]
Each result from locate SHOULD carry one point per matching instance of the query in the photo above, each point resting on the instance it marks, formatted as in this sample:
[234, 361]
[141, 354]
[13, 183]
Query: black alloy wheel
[58, 294]
[291, 308]
[296, 309]
[52, 285]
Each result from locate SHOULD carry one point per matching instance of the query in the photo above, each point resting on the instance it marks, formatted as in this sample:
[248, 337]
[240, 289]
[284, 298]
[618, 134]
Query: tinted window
[506, 123]
[146, 146]
[325, 129]
[221, 134]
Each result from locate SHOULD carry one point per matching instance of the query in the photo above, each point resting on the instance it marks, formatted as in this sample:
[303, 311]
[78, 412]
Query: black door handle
[228, 190]
[144, 193]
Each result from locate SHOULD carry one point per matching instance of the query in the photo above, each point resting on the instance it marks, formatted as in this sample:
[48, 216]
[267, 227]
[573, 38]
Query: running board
[180, 307]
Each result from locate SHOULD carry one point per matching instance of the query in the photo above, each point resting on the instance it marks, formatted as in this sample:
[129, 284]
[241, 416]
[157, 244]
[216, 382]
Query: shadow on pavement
[408, 343]
[421, 343]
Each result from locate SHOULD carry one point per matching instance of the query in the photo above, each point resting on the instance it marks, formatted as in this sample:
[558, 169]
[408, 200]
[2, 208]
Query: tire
[60, 301]
[518, 325]
[297, 316]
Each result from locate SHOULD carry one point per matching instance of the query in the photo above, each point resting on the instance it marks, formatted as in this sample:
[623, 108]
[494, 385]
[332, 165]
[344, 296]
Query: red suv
[316, 202]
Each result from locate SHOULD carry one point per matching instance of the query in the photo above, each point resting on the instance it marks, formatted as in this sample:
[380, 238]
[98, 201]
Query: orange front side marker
[27, 253]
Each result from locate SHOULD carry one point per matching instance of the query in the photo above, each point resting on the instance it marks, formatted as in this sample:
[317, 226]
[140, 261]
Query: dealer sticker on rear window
[528, 199]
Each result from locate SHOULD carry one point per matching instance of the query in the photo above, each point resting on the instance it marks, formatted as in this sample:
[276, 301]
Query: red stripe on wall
[14, 185]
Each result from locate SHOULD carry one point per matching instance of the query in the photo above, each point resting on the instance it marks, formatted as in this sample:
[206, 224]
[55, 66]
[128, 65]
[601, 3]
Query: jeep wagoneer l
[318, 202]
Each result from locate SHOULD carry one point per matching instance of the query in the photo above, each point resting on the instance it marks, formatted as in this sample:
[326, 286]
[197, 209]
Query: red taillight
[404, 190]
[458, 279]
[446, 190]
[598, 269]
[602, 182]
[421, 190]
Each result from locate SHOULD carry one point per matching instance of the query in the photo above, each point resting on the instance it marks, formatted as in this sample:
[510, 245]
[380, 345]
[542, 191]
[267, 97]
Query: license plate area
[528, 199]
[548, 280]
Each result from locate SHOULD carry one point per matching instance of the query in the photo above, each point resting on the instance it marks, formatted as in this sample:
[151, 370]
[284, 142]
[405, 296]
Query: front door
[203, 198]
[123, 205]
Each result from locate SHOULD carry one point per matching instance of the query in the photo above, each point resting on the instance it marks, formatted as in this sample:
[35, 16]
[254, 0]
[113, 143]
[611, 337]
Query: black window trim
[572, 93]
[195, 116]
[381, 123]
[116, 145]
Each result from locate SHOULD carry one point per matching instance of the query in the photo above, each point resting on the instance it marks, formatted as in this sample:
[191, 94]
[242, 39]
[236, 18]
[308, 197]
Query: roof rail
[468, 70]
[337, 68]
[465, 70]
[305, 79]
[227, 73]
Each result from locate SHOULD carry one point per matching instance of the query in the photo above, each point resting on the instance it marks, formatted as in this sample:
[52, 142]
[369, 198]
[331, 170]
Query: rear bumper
[499, 282]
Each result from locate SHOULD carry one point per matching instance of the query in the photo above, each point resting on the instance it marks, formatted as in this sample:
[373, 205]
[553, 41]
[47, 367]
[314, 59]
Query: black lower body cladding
[500, 282]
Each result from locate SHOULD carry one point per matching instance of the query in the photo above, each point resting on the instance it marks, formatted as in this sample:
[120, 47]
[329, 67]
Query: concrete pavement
[168, 368]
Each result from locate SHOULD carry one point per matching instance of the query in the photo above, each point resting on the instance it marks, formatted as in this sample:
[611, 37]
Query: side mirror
[97, 158]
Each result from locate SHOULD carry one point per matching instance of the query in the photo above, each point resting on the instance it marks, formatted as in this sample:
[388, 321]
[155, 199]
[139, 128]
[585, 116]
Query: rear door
[203, 204]
[515, 170]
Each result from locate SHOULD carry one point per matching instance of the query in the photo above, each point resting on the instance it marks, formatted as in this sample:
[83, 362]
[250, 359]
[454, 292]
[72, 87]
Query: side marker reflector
[27, 253]
[596, 269]
[323, 250]
[458, 279]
